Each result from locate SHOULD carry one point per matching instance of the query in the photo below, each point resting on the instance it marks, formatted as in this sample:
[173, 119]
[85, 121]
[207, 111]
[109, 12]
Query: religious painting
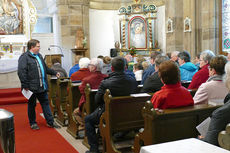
[11, 17]
[187, 25]
[169, 25]
[137, 33]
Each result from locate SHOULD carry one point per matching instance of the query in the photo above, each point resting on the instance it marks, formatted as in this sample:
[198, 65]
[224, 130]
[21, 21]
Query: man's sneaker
[34, 127]
[54, 125]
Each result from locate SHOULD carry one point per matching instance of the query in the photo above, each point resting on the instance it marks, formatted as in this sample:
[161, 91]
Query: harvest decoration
[132, 50]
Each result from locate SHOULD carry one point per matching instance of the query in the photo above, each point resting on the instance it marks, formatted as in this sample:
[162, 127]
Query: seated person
[187, 69]
[106, 68]
[149, 71]
[76, 67]
[203, 74]
[56, 66]
[214, 88]
[140, 59]
[130, 62]
[119, 84]
[174, 56]
[172, 94]
[153, 82]
[94, 80]
[127, 71]
[145, 65]
[197, 61]
[221, 116]
[138, 70]
[83, 71]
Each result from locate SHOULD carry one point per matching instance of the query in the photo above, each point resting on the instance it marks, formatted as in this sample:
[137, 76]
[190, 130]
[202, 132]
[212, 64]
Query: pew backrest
[171, 124]
[121, 114]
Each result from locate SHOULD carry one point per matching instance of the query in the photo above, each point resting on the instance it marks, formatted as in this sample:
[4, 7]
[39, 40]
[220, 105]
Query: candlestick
[11, 48]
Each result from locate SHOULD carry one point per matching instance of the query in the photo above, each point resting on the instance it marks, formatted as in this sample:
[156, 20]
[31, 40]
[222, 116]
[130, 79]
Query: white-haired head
[174, 55]
[97, 62]
[84, 62]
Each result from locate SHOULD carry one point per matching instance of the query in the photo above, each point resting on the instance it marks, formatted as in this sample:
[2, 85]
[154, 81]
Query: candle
[11, 48]
[150, 44]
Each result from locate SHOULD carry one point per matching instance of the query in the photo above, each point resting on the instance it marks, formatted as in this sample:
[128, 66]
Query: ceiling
[43, 6]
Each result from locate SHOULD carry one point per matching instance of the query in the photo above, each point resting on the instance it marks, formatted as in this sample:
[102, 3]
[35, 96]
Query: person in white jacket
[214, 88]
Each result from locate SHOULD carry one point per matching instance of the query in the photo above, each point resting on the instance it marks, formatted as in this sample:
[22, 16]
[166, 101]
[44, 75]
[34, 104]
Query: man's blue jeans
[90, 121]
[44, 102]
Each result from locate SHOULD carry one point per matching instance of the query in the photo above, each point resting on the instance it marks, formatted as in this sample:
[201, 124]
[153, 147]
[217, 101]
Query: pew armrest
[224, 138]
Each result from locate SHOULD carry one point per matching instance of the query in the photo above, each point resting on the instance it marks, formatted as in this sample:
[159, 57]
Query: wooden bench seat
[89, 106]
[72, 103]
[61, 101]
[170, 124]
[52, 94]
[121, 114]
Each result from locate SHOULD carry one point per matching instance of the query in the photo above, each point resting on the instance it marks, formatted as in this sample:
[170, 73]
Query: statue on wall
[10, 16]
[79, 38]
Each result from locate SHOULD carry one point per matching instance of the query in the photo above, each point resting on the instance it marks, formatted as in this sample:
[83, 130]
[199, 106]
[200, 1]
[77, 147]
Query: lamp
[58, 48]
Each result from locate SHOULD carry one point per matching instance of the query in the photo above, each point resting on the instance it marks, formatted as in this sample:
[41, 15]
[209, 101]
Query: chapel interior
[66, 28]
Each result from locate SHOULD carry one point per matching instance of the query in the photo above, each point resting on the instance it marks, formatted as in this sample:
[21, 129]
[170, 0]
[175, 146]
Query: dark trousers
[90, 121]
[44, 102]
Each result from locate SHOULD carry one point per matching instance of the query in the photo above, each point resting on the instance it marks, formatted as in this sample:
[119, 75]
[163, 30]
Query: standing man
[32, 72]
[119, 84]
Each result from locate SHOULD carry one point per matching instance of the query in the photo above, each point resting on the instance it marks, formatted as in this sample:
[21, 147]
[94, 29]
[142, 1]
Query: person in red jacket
[94, 80]
[83, 71]
[203, 74]
[172, 94]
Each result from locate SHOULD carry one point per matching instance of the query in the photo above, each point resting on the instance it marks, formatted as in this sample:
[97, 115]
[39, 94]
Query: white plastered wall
[104, 30]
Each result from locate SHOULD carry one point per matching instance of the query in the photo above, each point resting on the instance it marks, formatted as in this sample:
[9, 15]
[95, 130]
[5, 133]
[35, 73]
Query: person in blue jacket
[187, 69]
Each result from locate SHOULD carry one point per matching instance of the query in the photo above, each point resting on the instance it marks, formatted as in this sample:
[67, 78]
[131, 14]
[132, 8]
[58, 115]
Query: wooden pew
[52, 94]
[170, 124]
[185, 83]
[61, 101]
[121, 114]
[89, 106]
[192, 92]
[72, 103]
[224, 138]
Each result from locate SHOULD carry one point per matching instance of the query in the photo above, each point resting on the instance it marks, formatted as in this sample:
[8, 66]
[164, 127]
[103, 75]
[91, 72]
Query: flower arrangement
[132, 51]
[6, 48]
[84, 42]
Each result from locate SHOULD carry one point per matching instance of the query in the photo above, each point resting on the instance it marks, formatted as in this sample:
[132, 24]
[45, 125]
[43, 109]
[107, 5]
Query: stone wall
[204, 21]
[73, 14]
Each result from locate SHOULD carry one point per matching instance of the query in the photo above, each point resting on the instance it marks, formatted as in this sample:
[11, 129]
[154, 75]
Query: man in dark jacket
[151, 68]
[153, 82]
[219, 119]
[119, 84]
[32, 72]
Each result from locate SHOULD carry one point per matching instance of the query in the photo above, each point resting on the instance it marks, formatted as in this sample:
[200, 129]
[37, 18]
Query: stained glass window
[226, 25]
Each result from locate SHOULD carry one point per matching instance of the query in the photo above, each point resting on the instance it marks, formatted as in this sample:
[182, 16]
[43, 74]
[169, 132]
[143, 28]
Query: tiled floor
[76, 143]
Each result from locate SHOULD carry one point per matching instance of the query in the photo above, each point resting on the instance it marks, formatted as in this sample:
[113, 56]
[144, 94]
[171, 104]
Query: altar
[13, 40]
[8, 70]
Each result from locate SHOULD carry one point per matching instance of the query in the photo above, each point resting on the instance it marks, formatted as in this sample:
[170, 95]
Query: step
[10, 92]
[12, 100]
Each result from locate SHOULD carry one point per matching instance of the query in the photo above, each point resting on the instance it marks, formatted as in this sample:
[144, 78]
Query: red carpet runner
[11, 96]
[45, 140]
